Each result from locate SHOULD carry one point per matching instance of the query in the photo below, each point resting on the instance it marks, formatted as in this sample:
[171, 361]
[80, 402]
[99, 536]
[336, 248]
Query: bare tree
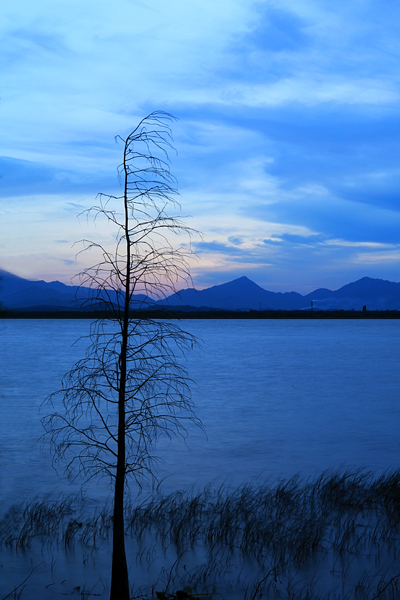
[131, 385]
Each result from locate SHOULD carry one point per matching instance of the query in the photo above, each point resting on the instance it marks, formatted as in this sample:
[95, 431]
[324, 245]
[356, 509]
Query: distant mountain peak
[242, 278]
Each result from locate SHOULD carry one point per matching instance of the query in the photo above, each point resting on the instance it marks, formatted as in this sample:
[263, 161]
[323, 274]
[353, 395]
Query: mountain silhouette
[19, 293]
[244, 294]
[239, 294]
[375, 294]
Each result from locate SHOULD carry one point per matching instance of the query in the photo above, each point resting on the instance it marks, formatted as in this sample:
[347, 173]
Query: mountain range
[239, 294]
[244, 294]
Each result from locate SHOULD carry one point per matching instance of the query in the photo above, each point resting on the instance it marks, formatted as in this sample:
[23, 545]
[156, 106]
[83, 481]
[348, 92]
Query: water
[276, 398]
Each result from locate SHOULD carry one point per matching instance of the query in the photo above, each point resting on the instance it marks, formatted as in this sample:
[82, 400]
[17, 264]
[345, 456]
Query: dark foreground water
[276, 398]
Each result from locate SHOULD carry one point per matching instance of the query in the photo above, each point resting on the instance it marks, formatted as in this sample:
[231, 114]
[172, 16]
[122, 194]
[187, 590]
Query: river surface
[276, 397]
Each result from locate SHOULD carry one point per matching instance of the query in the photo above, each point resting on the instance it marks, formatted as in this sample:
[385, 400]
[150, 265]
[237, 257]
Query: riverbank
[205, 314]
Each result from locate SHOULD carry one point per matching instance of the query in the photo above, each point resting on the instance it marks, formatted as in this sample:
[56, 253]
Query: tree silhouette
[131, 385]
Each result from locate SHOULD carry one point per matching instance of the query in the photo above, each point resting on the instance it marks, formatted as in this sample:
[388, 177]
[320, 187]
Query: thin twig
[25, 580]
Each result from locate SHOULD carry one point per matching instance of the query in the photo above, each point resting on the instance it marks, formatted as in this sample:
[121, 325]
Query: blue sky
[288, 136]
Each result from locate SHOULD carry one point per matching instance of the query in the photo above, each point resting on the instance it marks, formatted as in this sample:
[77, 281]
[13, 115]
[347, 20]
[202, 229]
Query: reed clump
[335, 537]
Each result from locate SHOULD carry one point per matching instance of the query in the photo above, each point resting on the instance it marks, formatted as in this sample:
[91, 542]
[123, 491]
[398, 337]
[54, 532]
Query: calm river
[276, 398]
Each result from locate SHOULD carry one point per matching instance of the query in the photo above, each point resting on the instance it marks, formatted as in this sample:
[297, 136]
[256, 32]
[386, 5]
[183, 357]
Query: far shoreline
[210, 314]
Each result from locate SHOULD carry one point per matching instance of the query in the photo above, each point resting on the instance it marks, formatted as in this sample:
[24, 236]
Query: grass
[333, 538]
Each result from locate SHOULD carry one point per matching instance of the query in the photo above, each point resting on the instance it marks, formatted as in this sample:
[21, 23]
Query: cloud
[278, 30]
[20, 177]
[236, 241]
[333, 217]
[288, 238]
[219, 248]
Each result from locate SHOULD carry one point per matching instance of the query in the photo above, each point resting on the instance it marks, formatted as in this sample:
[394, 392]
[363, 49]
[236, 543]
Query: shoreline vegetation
[203, 313]
[336, 537]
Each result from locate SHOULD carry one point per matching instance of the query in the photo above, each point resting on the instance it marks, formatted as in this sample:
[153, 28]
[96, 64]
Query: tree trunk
[119, 570]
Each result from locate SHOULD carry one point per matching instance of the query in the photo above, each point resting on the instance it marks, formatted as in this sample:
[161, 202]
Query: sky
[288, 131]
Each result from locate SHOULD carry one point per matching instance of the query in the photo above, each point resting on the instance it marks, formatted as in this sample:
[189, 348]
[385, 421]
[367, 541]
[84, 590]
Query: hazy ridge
[239, 294]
